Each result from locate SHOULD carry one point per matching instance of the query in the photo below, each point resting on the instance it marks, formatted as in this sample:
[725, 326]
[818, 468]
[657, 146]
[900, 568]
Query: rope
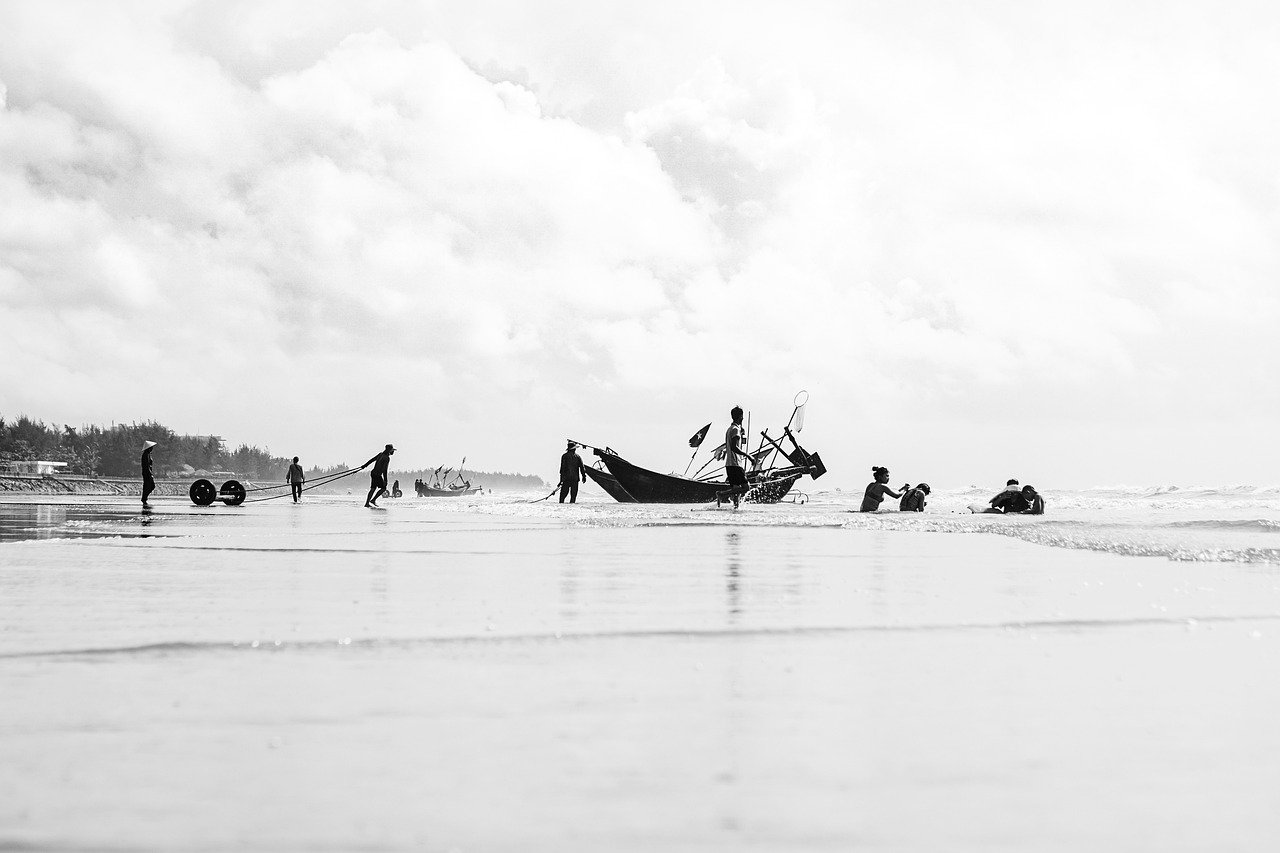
[322, 481]
[540, 500]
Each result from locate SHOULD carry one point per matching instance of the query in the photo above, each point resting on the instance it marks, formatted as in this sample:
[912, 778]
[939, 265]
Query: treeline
[115, 451]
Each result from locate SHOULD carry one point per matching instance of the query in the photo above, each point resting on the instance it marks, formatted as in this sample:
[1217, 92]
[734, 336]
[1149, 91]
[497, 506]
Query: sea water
[503, 673]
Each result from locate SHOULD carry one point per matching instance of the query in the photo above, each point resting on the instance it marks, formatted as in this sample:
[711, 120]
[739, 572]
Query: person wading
[378, 476]
[148, 475]
[735, 460]
[571, 468]
[295, 479]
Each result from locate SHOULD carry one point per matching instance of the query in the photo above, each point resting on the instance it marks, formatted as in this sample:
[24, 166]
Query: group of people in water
[1016, 499]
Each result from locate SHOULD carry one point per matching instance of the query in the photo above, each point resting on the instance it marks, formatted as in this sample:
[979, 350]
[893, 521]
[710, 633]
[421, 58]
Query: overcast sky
[990, 239]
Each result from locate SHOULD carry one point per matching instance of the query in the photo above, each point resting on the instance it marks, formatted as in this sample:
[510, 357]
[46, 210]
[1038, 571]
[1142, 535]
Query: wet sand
[328, 678]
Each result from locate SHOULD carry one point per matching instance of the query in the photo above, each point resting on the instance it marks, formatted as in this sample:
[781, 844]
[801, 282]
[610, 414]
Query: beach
[496, 675]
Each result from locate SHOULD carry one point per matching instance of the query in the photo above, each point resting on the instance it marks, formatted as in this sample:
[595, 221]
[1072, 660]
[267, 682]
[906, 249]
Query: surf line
[665, 633]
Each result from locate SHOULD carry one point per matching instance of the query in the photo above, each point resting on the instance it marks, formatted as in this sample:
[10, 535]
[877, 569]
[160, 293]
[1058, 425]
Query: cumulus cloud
[329, 230]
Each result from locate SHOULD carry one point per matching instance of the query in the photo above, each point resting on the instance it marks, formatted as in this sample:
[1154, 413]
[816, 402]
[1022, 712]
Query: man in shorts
[735, 460]
[378, 476]
[295, 479]
[571, 468]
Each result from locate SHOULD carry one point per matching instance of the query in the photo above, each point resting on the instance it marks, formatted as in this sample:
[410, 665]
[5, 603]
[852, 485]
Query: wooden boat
[458, 488]
[461, 491]
[610, 484]
[629, 483]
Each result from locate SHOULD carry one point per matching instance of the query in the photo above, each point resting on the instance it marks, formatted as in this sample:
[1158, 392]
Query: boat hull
[428, 492]
[649, 487]
[610, 484]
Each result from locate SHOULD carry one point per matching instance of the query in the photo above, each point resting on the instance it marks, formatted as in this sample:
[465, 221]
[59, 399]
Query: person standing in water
[571, 468]
[148, 472]
[378, 476]
[877, 490]
[295, 479]
[735, 460]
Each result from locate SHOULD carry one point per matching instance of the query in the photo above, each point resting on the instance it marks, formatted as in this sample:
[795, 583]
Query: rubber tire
[232, 493]
[202, 493]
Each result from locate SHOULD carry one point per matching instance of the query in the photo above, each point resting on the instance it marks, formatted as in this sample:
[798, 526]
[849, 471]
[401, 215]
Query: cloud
[313, 230]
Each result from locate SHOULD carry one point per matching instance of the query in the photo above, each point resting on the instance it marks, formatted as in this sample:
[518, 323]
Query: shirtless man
[378, 476]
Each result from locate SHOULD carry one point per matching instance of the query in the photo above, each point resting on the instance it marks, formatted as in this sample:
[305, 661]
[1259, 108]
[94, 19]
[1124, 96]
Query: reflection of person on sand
[914, 499]
[1000, 501]
[571, 468]
[148, 474]
[295, 478]
[378, 476]
[735, 460]
[877, 490]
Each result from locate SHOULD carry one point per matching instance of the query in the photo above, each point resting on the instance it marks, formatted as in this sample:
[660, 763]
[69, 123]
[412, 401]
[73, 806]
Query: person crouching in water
[735, 460]
[877, 490]
[571, 468]
[1001, 501]
[1025, 502]
[914, 499]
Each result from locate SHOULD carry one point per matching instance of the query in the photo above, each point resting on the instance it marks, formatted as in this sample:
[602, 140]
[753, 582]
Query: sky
[990, 239]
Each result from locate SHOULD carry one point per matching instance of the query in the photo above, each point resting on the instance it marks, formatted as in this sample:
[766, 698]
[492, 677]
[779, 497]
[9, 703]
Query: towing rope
[322, 481]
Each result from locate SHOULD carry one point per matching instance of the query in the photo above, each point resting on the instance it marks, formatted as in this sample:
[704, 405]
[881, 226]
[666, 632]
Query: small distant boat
[451, 492]
[446, 488]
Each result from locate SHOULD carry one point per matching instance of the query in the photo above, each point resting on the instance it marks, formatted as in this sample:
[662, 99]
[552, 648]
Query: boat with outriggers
[443, 487]
[769, 482]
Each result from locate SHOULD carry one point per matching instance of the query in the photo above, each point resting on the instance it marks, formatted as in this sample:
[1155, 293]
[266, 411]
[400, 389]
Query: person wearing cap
[295, 479]
[571, 468]
[914, 499]
[378, 476]
[148, 473]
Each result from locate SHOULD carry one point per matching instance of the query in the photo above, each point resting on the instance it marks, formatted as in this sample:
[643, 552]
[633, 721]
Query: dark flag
[698, 436]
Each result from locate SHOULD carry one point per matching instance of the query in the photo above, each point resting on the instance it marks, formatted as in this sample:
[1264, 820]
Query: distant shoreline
[69, 484]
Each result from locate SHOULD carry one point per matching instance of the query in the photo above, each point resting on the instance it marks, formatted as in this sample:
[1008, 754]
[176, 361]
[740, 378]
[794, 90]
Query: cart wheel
[202, 493]
[232, 493]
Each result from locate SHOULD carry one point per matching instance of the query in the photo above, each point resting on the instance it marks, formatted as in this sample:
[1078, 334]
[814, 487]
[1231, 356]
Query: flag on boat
[698, 436]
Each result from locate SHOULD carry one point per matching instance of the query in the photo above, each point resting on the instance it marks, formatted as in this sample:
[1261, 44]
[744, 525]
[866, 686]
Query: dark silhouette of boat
[627, 482]
[610, 484]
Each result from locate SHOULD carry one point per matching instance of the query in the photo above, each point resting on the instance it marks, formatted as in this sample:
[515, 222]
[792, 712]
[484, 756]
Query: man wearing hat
[378, 476]
[148, 477]
[571, 468]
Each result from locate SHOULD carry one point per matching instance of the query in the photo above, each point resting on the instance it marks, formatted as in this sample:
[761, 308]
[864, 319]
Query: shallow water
[504, 676]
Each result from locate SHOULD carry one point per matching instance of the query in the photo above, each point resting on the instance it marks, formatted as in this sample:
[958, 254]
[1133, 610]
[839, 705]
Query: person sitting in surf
[914, 499]
[1000, 501]
[877, 490]
[1026, 502]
